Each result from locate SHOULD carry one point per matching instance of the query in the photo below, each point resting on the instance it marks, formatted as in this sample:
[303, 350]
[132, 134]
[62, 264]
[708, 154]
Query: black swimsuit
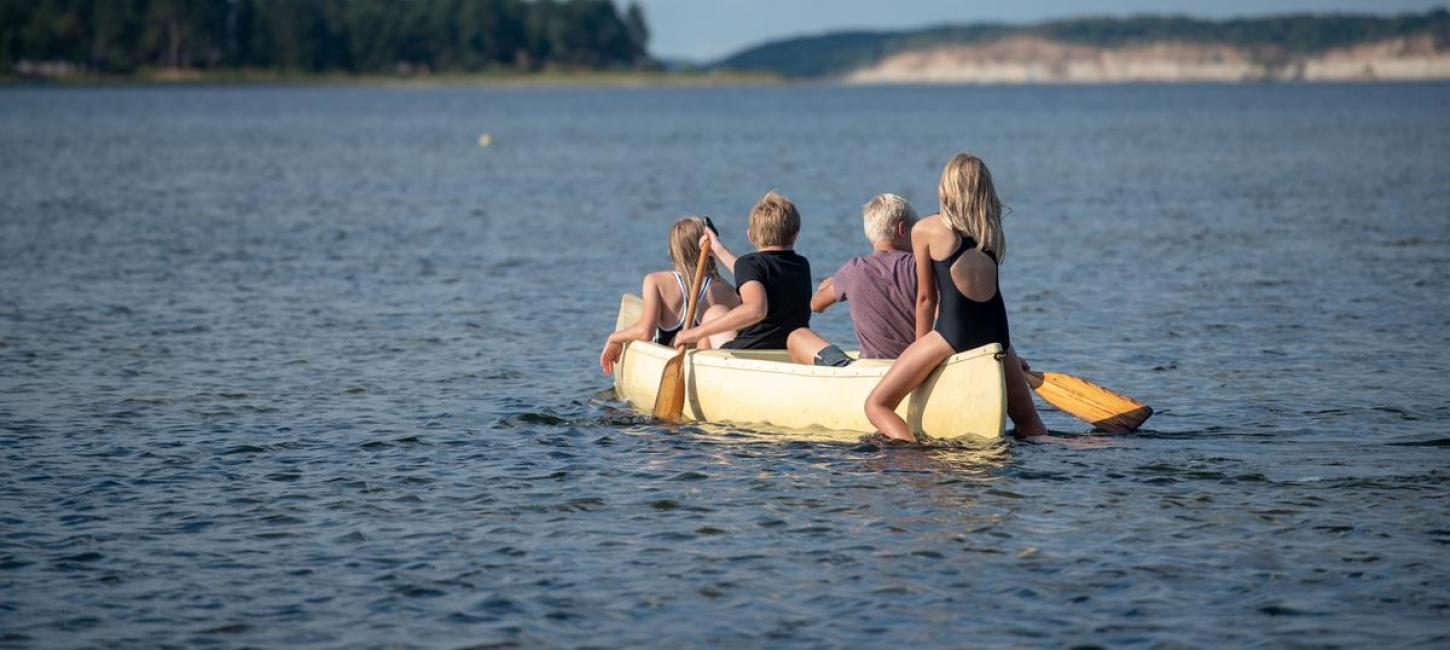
[963, 322]
[666, 335]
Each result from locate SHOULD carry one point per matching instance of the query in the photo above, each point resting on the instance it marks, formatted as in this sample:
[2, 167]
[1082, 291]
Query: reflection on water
[288, 366]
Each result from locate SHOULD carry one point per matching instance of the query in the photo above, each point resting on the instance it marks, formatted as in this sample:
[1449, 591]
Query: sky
[705, 30]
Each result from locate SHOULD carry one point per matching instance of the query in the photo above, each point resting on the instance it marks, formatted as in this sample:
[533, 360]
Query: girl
[958, 252]
[664, 292]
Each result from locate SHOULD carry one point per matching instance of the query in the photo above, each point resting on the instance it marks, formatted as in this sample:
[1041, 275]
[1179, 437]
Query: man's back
[881, 291]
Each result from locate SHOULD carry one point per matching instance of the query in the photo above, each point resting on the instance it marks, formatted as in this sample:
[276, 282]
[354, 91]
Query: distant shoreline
[623, 81]
[1029, 60]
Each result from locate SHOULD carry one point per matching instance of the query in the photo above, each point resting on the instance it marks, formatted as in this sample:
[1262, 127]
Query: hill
[1121, 49]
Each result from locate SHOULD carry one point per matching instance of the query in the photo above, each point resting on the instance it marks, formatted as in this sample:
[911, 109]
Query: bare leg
[1019, 399]
[804, 345]
[714, 342]
[911, 368]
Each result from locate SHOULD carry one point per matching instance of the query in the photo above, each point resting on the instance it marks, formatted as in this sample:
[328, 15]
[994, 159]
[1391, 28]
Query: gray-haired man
[880, 288]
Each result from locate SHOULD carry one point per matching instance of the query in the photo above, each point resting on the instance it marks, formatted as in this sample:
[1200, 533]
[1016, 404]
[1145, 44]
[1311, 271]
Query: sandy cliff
[1033, 59]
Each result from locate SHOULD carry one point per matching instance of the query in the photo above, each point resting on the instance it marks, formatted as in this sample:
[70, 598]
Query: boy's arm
[751, 310]
[718, 249]
[926, 297]
[825, 295]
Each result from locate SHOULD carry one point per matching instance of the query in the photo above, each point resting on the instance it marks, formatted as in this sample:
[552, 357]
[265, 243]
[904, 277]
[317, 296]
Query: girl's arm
[926, 298]
[642, 330]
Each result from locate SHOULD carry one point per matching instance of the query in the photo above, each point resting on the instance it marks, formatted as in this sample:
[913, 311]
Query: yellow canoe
[965, 397]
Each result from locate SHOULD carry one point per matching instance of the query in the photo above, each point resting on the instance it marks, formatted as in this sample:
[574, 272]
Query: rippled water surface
[287, 366]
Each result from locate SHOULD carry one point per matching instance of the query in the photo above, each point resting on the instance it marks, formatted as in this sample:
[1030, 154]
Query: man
[880, 288]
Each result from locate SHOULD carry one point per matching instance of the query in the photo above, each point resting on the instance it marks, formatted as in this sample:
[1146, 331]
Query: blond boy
[774, 284]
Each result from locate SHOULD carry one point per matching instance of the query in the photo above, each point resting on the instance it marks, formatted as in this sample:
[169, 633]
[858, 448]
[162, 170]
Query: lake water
[309, 366]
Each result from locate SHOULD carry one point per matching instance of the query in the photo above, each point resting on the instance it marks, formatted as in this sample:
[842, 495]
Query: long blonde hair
[685, 247]
[969, 203]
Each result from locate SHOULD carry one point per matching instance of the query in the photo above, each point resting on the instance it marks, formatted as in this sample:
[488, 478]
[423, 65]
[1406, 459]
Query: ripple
[251, 397]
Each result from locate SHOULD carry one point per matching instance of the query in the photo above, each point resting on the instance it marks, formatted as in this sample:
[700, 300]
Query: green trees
[321, 35]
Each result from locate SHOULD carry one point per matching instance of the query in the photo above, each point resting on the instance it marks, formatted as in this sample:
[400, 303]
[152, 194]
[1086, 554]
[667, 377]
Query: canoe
[965, 397]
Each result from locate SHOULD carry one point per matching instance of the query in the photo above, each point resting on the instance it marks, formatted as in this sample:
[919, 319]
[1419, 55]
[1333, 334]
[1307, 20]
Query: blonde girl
[664, 293]
[958, 301]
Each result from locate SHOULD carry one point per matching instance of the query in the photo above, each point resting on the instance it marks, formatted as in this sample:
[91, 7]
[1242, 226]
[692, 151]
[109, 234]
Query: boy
[881, 287]
[774, 284]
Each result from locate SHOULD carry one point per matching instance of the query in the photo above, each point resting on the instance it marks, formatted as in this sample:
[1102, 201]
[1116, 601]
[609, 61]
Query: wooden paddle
[1089, 402]
[670, 400]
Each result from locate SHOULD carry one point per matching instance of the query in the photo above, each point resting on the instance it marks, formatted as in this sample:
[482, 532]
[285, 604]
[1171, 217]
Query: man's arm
[752, 310]
[825, 295]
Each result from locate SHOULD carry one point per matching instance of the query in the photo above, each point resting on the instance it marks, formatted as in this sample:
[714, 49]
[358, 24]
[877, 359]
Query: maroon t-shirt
[881, 291]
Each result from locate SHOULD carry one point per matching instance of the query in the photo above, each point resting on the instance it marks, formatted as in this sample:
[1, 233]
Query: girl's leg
[910, 369]
[1019, 399]
[714, 342]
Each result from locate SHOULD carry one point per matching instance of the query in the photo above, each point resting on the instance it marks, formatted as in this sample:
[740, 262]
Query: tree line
[354, 36]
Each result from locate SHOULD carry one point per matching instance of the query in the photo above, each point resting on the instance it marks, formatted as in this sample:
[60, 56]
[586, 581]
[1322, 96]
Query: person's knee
[809, 348]
[803, 339]
[713, 312]
[876, 400]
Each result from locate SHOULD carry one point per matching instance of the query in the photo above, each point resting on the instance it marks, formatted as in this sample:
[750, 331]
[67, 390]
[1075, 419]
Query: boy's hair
[881, 215]
[969, 203]
[774, 221]
[685, 247]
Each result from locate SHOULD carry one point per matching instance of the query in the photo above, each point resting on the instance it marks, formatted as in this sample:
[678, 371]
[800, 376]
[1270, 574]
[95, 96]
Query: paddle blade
[670, 400]
[1092, 403]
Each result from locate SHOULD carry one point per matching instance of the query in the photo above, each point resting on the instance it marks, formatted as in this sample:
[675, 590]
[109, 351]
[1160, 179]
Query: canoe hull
[964, 397]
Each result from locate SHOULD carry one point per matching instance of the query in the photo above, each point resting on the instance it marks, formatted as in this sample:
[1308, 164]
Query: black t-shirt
[787, 281]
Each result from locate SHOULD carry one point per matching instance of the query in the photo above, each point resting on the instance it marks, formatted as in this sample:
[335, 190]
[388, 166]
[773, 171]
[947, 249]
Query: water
[286, 366]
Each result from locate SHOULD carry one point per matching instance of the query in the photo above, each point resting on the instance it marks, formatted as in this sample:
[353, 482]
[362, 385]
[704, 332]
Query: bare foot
[1032, 431]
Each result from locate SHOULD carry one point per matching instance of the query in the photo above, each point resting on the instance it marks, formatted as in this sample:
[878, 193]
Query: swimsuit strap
[956, 252]
[704, 291]
[685, 305]
[962, 248]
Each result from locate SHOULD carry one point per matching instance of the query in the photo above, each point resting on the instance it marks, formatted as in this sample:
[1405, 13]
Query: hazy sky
[704, 30]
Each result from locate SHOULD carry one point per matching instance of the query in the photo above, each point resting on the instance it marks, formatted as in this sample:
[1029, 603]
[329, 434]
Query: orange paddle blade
[1090, 402]
[670, 400]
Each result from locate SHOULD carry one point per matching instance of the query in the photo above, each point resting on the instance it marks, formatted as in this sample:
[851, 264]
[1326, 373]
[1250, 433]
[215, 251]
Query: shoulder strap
[956, 252]
[685, 300]
[704, 291]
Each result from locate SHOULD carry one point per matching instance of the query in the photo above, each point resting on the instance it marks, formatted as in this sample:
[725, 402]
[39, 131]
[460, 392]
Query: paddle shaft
[695, 298]
[670, 399]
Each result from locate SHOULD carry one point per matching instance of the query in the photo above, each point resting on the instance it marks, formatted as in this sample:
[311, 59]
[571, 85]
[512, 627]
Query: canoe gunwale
[726, 359]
